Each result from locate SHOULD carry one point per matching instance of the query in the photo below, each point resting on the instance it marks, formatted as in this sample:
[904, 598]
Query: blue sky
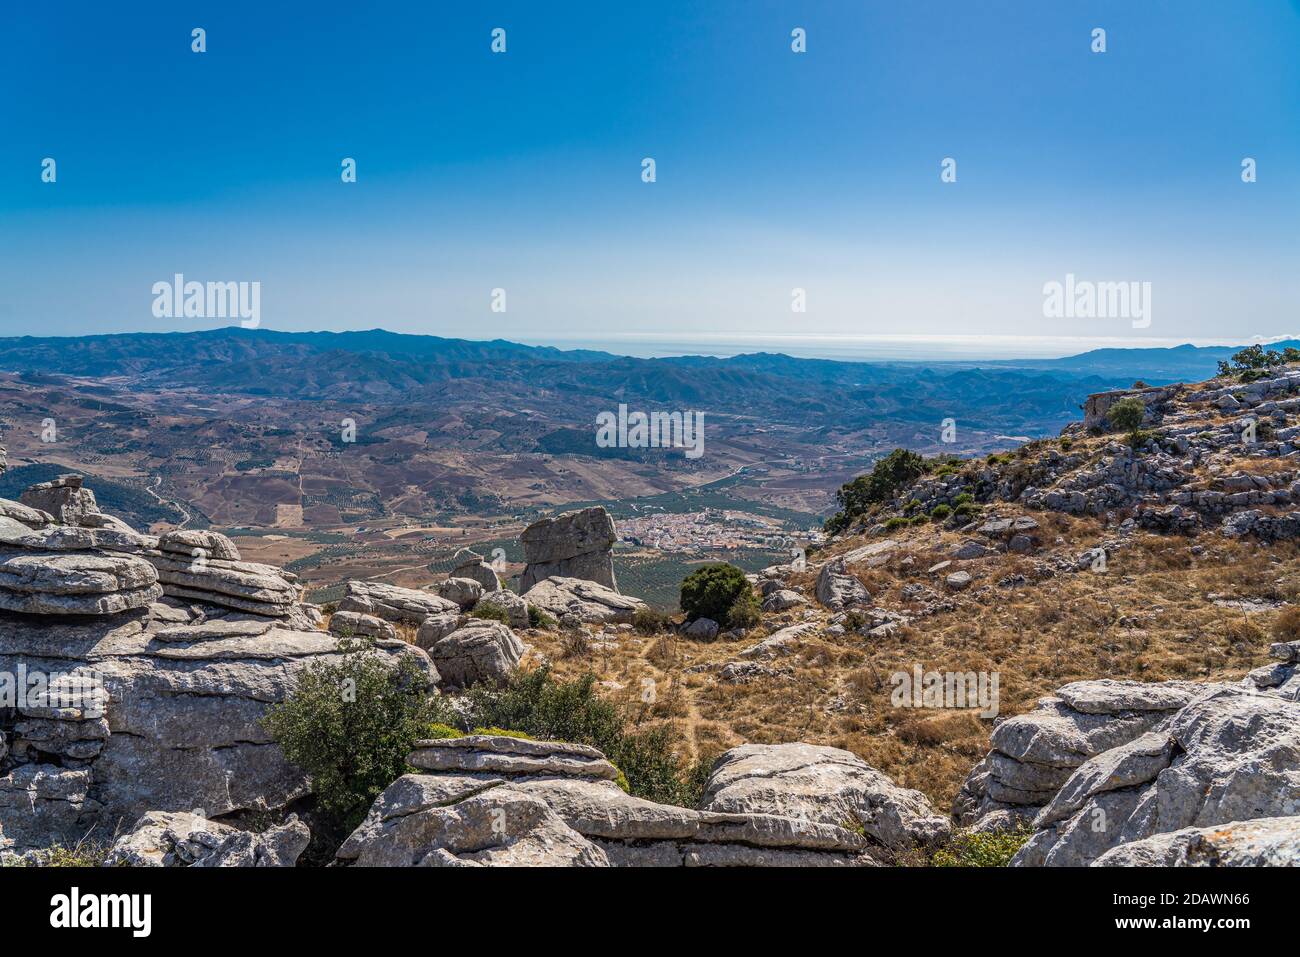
[775, 170]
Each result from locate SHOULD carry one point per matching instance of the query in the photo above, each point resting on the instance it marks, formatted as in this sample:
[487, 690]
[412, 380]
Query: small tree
[1127, 414]
[895, 471]
[350, 724]
[712, 592]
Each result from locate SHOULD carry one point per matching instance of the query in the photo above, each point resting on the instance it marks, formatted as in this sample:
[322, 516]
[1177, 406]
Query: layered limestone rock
[243, 586]
[556, 804]
[166, 716]
[65, 499]
[351, 624]
[577, 545]
[465, 592]
[74, 583]
[505, 601]
[1035, 754]
[404, 606]
[827, 785]
[479, 651]
[474, 568]
[575, 601]
[1231, 755]
[1267, 842]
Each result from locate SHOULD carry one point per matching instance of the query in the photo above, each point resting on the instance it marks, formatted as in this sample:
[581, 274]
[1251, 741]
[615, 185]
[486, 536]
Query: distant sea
[876, 348]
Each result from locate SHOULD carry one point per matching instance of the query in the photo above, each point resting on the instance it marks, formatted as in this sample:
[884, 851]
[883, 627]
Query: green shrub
[538, 618]
[1066, 444]
[535, 703]
[993, 849]
[940, 512]
[889, 475]
[919, 519]
[966, 510]
[490, 612]
[896, 522]
[350, 724]
[1127, 414]
[711, 591]
[965, 498]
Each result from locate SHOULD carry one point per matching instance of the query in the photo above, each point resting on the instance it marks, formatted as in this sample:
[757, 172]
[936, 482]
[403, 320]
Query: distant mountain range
[376, 366]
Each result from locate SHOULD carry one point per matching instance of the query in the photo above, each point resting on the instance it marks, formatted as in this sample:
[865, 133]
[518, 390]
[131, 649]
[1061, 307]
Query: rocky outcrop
[74, 583]
[1034, 754]
[404, 606]
[558, 805]
[826, 785]
[1230, 755]
[503, 600]
[243, 586]
[474, 568]
[1268, 842]
[183, 839]
[478, 651]
[577, 545]
[158, 708]
[838, 589]
[464, 592]
[576, 601]
[65, 499]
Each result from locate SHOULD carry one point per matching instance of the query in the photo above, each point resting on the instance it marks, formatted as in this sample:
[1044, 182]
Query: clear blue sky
[775, 170]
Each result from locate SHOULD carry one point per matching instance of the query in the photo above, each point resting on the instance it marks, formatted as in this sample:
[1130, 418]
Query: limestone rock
[356, 625]
[511, 757]
[701, 629]
[478, 651]
[399, 605]
[577, 545]
[822, 784]
[782, 600]
[210, 544]
[1264, 842]
[516, 608]
[465, 592]
[434, 628]
[475, 569]
[74, 583]
[183, 839]
[577, 601]
[837, 589]
[65, 498]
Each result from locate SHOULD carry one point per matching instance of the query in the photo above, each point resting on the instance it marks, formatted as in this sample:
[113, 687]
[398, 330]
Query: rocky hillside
[1085, 650]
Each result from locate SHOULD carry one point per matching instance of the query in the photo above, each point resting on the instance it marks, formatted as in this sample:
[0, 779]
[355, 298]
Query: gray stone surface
[577, 601]
[576, 545]
[478, 651]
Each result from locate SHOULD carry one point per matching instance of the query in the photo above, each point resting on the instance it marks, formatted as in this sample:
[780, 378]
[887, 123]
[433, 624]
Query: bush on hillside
[712, 591]
[1126, 415]
[350, 724]
[888, 476]
[536, 704]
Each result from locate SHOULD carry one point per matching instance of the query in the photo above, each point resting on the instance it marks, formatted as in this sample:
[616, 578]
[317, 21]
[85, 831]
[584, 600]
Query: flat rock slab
[392, 603]
[508, 757]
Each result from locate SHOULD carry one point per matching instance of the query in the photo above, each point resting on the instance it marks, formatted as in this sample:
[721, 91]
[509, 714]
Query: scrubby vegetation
[718, 592]
[490, 612]
[968, 849]
[350, 724]
[892, 473]
[1256, 362]
[652, 760]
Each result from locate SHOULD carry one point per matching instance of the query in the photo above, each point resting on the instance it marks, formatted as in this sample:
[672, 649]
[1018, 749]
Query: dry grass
[1145, 618]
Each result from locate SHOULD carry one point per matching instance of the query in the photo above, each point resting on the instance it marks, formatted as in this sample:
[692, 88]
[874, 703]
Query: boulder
[1232, 754]
[701, 629]
[242, 586]
[577, 601]
[475, 569]
[577, 545]
[508, 757]
[782, 600]
[516, 608]
[436, 627]
[404, 606]
[465, 592]
[1264, 842]
[188, 542]
[837, 589]
[74, 583]
[352, 624]
[65, 499]
[821, 784]
[479, 651]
